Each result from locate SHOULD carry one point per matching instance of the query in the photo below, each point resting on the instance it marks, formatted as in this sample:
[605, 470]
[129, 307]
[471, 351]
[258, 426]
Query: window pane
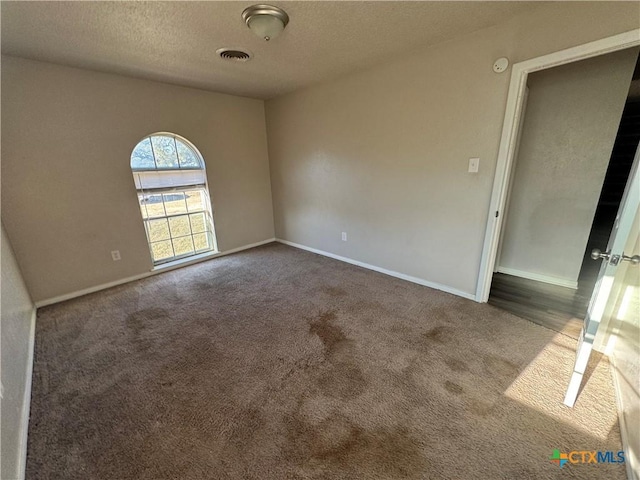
[142, 156]
[196, 200]
[161, 250]
[188, 158]
[155, 205]
[197, 222]
[158, 229]
[183, 245]
[175, 203]
[143, 206]
[164, 149]
[179, 226]
[201, 241]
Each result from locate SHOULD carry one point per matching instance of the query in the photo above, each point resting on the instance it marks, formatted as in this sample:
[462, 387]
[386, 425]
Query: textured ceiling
[175, 42]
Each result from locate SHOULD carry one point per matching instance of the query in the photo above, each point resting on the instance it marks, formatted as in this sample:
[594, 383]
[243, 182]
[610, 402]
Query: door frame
[512, 118]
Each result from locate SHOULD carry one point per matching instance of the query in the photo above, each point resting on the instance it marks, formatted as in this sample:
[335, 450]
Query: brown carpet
[276, 363]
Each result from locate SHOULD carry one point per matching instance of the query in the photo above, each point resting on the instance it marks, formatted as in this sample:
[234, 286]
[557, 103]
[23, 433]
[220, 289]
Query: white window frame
[193, 185]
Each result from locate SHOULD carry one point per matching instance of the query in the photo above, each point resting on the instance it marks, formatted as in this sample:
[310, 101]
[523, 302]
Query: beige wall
[383, 154]
[17, 317]
[67, 191]
[571, 121]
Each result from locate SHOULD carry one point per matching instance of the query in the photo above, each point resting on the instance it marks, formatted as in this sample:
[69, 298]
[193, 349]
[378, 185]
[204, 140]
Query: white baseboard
[391, 273]
[539, 278]
[632, 462]
[97, 288]
[26, 400]
[247, 247]
[160, 269]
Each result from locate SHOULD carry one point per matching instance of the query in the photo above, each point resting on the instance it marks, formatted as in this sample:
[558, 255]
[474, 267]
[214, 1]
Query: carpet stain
[347, 450]
[439, 334]
[499, 366]
[330, 335]
[333, 291]
[245, 426]
[413, 373]
[456, 365]
[453, 387]
[344, 380]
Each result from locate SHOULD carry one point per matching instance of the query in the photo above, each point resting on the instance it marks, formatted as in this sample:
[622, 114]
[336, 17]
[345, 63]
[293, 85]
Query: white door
[611, 258]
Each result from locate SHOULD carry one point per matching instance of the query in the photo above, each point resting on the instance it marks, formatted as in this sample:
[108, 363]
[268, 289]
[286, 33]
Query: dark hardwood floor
[558, 308]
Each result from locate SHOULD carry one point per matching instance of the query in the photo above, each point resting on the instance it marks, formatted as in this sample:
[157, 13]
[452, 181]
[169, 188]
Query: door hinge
[497, 212]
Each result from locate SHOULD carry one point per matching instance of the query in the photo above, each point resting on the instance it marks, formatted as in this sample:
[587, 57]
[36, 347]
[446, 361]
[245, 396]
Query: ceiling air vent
[233, 54]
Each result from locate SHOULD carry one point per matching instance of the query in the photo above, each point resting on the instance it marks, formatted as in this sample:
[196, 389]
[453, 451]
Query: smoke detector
[500, 65]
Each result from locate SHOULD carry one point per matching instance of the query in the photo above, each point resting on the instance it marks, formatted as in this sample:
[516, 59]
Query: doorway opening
[559, 299]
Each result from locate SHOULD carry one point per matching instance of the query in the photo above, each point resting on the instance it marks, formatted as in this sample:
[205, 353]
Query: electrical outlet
[344, 236]
[115, 255]
[474, 164]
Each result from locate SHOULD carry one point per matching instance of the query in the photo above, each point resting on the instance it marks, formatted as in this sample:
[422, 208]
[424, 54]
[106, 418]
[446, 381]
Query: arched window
[170, 177]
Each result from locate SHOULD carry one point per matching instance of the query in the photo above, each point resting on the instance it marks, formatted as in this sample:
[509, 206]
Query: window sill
[183, 262]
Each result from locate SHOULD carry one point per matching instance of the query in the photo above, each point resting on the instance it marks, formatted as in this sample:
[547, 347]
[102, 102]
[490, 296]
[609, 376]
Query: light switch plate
[474, 164]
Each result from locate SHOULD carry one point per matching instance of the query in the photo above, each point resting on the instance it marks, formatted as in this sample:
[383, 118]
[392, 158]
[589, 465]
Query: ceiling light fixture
[266, 21]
